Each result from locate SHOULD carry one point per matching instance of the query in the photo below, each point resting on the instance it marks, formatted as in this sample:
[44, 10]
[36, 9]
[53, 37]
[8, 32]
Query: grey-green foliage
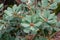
[40, 38]
[9, 13]
[29, 20]
[1, 8]
[1, 5]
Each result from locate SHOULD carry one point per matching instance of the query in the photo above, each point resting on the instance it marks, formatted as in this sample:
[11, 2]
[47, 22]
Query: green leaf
[39, 4]
[52, 21]
[25, 25]
[9, 13]
[32, 28]
[0, 34]
[2, 27]
[14, 8]
[34, 18]
[7, 17]
[38, 12]
[53, 6]
[1, 5]
[19, 8]
[45, 25]
[44, 3]
[58, 24]
[26, 30]
[9, 9]
[40, 38]
[24, 0]
[51, 16]
[46, 13]
[22, 38]
[27, 18]
[38, 24]
[56, 29]
[57, 1]
[17, 38]
[50, 28]
[34, 32]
